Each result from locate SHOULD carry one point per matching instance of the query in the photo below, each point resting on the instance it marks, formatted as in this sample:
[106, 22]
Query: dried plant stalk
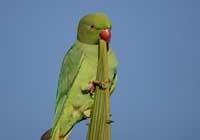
[99, 128]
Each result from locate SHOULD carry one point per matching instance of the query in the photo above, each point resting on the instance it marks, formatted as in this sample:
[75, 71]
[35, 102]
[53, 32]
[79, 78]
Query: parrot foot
[109, 121]
[87, 113]
[100, 84]
[93, 84]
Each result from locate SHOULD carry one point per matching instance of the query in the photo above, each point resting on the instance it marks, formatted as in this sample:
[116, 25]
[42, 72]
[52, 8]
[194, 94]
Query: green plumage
[79, 67]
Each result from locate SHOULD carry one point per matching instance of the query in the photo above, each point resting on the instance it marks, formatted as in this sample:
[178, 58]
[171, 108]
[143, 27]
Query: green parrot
[76, 84]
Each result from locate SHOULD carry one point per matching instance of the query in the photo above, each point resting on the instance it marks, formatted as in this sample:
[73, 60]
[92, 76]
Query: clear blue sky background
[157, 43]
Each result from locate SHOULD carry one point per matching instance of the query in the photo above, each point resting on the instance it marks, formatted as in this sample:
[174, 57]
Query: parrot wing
[70, 68]
[113, 63]
[113, 84]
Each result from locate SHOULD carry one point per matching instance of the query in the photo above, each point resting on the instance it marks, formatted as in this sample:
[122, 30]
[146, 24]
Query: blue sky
[157, 44]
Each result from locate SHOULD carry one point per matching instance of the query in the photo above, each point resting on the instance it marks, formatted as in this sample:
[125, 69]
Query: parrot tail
[46, 135]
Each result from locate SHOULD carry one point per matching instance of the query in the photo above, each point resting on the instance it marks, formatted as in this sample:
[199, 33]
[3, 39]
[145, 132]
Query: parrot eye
[92, 27]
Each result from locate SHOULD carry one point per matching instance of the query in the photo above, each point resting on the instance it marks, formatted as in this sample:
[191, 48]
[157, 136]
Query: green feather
[79, 67]
[70, 67]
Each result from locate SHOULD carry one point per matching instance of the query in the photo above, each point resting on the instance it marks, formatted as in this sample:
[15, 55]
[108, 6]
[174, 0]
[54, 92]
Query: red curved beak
[105, 35]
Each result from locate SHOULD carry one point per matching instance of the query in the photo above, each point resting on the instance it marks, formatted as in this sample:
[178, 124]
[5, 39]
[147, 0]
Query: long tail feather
[55, 136]
[46, 135]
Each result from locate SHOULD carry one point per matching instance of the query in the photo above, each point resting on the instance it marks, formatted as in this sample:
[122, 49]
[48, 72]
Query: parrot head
[93, 27]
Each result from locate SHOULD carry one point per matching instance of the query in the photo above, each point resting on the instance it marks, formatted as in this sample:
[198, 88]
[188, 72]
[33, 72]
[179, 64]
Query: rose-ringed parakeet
[76, 83]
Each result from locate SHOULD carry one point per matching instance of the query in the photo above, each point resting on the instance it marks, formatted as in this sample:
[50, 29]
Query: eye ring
[92, 27]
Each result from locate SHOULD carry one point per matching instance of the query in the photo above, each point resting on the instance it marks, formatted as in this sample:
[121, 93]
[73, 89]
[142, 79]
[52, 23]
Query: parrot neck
[79, 43]
[87, 48]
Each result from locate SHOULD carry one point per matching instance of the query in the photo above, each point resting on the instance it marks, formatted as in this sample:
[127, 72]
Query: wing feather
[69, 70]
